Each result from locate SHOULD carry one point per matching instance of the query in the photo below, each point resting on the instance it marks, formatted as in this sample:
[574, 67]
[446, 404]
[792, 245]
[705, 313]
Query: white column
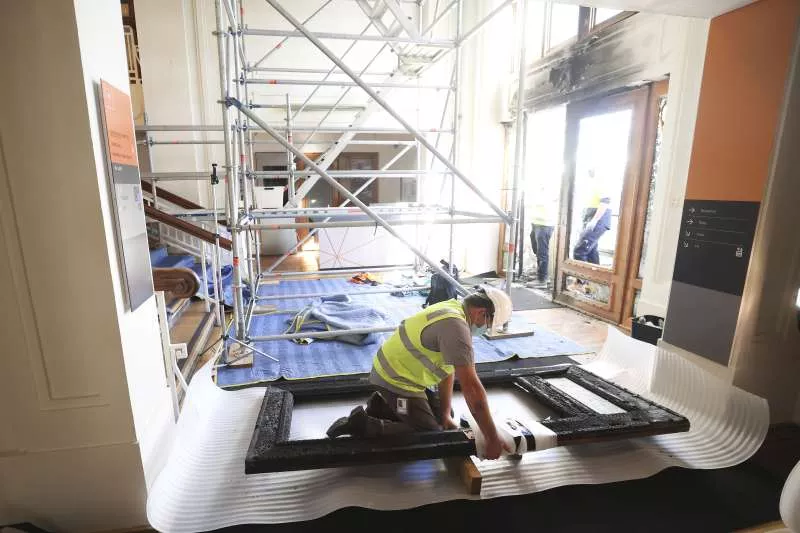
[84, 405]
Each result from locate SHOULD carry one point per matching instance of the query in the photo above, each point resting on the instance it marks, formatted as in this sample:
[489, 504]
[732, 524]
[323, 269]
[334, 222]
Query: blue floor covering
[326, 358]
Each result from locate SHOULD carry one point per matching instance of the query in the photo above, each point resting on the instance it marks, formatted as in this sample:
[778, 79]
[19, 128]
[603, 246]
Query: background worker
[431, 348]
[596, 221]
[544, 213]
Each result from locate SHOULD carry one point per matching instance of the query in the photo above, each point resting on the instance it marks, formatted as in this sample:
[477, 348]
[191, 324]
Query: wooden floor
[575, 326]
[298, 262]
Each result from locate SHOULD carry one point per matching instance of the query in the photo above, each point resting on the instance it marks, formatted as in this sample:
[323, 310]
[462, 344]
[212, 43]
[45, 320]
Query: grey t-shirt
[451, 336]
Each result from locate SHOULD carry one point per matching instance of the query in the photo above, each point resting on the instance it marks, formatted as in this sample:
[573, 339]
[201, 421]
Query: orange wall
[747, 63]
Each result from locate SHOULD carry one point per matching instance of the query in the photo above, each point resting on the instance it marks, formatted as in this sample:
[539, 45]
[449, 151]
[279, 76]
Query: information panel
[715, 243]
[126, 193]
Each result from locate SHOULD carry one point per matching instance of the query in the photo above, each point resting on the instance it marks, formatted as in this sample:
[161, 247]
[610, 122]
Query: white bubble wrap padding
[727, 426]
[203, 486]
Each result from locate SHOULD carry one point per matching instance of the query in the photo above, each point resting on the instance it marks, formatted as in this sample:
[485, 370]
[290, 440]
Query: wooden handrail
[187, 227]
[182, 282]
[178, 200]
[171, 197]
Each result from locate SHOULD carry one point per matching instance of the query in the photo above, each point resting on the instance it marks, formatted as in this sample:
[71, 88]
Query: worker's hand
[448, 423]
[494, 447]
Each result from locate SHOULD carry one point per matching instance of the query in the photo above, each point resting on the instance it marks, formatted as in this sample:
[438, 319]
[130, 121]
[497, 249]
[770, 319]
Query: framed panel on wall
[126, 194]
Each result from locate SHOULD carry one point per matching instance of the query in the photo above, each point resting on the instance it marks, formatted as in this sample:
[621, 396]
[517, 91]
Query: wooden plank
[770, 527]
[264, 309]
[511, 333]
[239, 356]
[469, 474]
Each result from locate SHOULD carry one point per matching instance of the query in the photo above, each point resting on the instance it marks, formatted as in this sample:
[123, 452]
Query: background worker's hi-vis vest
[404, 362]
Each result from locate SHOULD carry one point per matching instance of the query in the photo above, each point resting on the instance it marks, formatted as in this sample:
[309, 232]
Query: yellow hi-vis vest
[404, 362]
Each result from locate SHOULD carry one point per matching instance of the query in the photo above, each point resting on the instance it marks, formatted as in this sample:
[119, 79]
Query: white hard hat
[502, 306]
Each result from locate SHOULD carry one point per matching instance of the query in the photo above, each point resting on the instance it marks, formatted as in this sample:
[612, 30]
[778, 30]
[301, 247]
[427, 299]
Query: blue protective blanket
[339, 313]
[297, 361]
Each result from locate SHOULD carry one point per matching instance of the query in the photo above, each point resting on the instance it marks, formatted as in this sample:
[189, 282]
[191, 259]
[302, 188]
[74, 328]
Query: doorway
[610, 157]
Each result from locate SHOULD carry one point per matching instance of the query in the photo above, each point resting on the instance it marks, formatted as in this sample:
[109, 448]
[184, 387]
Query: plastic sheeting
[203, 485]
[727, 426]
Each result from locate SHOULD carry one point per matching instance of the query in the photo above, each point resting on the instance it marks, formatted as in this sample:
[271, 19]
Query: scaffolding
[416, 53]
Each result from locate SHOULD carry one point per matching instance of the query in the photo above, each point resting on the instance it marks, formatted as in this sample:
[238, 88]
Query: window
[556, 24]
[602, 14]
[564, 20]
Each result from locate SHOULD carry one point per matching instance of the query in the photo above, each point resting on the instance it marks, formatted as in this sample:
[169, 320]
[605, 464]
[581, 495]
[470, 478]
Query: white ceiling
[686, 8]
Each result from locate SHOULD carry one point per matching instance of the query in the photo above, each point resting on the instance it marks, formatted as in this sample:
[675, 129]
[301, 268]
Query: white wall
[682, 54]
[174, 85]
[84, 400]
[487, 63]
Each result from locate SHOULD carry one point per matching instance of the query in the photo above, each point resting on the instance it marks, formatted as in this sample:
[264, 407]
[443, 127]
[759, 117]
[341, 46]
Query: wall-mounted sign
[710, 270]
[715, 242]
[126, 194]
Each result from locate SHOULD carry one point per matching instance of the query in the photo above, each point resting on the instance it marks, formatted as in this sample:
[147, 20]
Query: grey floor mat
[522, 298]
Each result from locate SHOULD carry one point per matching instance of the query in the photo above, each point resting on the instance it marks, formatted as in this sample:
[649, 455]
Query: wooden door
[645, 188]
[604, 157]
[358, 161]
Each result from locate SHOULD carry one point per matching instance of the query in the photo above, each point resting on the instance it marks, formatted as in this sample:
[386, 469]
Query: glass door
[602, 162]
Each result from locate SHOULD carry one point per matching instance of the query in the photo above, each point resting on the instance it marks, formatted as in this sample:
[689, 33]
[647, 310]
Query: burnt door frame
[615, 278]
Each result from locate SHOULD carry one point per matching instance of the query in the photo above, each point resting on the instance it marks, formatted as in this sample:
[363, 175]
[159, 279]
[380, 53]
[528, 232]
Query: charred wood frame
[575, 423]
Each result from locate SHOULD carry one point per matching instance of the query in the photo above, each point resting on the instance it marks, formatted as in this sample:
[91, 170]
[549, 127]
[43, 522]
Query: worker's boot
[354, 425]
[378, 408]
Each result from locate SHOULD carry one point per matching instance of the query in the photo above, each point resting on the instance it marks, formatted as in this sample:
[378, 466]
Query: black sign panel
[715, 243]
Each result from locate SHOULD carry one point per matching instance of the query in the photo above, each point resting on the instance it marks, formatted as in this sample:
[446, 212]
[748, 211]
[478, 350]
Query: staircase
[390, 19]
[188, 320]
[412, 59]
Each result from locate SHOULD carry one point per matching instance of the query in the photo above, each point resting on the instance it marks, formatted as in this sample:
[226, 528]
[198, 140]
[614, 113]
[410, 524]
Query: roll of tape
[517, 433]
[544, 437]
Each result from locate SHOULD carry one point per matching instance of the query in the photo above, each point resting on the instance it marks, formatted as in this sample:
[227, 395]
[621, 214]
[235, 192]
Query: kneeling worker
[429, 349]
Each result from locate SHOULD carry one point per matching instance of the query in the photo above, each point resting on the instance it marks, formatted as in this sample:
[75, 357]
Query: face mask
[477, 331]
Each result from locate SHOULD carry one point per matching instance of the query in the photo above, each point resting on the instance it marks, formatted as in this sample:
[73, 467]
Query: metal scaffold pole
[289, 156]
[456, 123]
[346, 193]
[242, 162]
[314, 231]
[519, 124]
[416, 50]
[251, 166]
[298, 128]
[230, 173]
[380, 101]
